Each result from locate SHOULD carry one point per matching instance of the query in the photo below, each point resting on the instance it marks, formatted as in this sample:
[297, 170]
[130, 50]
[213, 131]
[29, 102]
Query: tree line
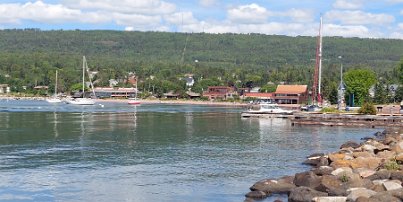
[30, 57]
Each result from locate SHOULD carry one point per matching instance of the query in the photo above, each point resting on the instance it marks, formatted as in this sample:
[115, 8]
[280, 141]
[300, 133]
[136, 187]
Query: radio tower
[316, 93]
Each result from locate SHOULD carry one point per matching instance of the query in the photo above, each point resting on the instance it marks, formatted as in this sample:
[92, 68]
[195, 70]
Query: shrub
[367, 108]
[391, 165]
[344, 178]
[329, 110]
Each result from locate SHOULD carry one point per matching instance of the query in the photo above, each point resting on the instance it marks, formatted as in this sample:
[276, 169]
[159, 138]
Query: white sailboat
[54, 98]
[134, 101]
[83, 100]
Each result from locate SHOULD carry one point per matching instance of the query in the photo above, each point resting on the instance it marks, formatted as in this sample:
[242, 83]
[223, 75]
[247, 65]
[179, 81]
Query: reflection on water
[150, 153]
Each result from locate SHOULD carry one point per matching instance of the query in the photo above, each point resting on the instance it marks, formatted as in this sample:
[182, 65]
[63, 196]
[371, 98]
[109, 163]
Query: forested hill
[30, 57]
[219, 50]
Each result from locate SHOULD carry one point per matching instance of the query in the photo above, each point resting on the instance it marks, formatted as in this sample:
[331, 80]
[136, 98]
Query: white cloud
[299, 15]
[395, 1]
[401, 12]
[146, 7]
[135, 19]
[181, 18]
[358, 17]
[45, 13]
[396, 35]
[248, 14]
[346, 31]
[400, 25]
[348, 4]
[207, 3]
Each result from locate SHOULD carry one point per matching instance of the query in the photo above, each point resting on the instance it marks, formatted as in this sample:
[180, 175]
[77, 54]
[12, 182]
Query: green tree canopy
[358, 82]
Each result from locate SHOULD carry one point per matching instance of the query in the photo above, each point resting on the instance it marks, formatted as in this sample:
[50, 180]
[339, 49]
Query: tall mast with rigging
[316, 91]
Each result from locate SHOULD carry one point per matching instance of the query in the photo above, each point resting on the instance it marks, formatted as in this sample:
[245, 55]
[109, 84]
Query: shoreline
[148, 101]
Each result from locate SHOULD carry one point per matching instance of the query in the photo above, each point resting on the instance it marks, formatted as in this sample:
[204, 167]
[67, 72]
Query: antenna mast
[316, 91]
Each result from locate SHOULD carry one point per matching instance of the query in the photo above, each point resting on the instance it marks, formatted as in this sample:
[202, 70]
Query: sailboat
[54, 98]
[83, 100]
[134, 100]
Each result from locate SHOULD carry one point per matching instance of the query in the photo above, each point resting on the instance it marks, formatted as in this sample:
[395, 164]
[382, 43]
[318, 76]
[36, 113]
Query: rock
[269, 186]
[343, 170]
[398, 147]
[361, 162]
[354, 180]
[351, 144]
[307, 179]
[396, 175]
[304, 194]
[331, 185]
[336, 156]
[398, 193]
[323, 170]
[368, 148]
[363, 154]
[330, 199]
[365, 172]
[379, 182]
[340, 163]
[391, 185]
[383, 196]
[378, 188]
[399, 157]
[317, 161]
[379, 175]
[316, 155]
[256, 195]
[362, 199]
[354, 193]
[386, 154]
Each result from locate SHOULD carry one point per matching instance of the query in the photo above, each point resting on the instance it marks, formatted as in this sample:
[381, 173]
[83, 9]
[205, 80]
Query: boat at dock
[264, 109]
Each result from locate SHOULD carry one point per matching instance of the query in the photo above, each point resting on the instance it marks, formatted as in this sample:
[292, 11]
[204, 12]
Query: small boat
[133, 102]
[54, 98]
[269, 108]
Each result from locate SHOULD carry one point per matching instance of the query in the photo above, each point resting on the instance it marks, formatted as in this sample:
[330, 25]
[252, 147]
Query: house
[189, 81]
[219, 92]
[115, 92]
[171, 95]
[4, 88]
[291, 94]
[192, 95]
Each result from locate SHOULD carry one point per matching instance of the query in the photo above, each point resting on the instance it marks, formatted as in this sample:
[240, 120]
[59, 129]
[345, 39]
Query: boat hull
[81, 101]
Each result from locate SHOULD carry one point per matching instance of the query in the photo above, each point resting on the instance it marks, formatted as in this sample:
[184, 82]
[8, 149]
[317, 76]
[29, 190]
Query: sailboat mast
[83, 74]
[320, 57]
[56, 85]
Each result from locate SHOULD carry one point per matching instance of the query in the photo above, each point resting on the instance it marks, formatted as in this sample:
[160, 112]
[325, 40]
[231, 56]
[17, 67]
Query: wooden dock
[390, 120]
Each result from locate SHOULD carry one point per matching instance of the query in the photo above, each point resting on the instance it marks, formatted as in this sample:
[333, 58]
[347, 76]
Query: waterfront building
[291, 94]
[219, 92]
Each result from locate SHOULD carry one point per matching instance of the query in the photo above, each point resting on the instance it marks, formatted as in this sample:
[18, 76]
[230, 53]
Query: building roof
[259, 95]
[291, 89]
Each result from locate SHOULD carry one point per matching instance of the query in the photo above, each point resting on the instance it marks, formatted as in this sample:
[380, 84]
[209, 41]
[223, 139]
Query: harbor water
[117, 152]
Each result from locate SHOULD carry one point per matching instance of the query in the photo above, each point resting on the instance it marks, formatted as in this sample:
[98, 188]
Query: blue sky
[347, 18]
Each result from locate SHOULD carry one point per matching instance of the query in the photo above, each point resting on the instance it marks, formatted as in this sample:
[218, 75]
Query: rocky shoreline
[370, 171]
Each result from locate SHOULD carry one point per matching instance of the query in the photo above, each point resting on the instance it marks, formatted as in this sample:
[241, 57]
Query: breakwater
[368, 171]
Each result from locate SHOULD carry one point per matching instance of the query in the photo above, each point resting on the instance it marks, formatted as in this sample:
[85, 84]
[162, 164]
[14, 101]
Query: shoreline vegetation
[369, 171]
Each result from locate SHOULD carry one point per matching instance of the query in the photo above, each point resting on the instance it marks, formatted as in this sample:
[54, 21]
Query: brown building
[220, 92]
[291, 94]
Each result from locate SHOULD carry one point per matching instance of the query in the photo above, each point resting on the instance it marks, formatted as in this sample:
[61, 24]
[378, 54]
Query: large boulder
[280, 186]
[379, 175]
[331, 185]
[304, 194]
[256, 195]
[364, 172]
[386, 154]
[351, 144]
[383, 196]
[355, 193]
[323, 170]
[361, 162]
[342, 171]
[392, 185]
[364, 154]
[307, 179]
[398, 147]
[396, 175]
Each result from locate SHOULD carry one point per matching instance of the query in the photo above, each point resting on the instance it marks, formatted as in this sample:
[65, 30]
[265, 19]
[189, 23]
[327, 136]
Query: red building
[291, 94]
[220, 92]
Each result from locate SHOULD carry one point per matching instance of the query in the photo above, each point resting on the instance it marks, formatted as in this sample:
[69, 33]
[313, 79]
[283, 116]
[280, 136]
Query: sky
[346, 18]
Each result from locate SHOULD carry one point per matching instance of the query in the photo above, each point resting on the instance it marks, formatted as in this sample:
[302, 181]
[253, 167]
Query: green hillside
[29, 57]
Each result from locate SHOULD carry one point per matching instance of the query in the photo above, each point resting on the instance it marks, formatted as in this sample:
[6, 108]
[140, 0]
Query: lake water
[117, 152]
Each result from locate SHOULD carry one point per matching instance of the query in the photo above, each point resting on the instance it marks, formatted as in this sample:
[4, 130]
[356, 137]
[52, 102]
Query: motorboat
[81, 101]
[269, 108]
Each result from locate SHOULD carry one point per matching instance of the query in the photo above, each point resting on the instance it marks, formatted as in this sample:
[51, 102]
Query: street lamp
[341, 89]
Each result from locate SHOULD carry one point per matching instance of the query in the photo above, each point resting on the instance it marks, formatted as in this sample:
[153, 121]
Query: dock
[384, 120]
[342, 119]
